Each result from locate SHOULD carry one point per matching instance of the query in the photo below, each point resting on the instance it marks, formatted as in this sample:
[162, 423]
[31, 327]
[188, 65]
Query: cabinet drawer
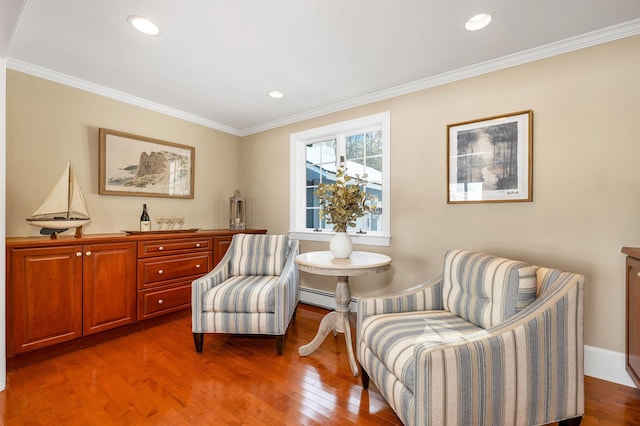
[163, 270]
[170, 247]
[152, 303]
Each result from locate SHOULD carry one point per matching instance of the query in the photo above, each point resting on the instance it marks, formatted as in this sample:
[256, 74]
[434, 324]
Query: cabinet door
[633, 319]
[45, 297]
[220, 247]
[109, 286]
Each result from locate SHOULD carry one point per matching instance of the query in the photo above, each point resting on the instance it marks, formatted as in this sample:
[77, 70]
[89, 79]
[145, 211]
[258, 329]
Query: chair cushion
[485, 289]
[258, 254]
[243, 293]
[392, 337]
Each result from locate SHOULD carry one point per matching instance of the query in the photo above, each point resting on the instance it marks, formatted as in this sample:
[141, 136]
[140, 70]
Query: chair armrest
[287, 289]
[423, 297]
[214, 277]
[201, 285]
[530, 369]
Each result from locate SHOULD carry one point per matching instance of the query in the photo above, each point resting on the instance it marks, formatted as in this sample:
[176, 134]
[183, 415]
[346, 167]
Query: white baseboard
[606, 365]
[323, 299]
[599, 363]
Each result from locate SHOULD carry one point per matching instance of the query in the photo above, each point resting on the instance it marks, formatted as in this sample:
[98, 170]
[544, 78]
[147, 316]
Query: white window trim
[297, 203]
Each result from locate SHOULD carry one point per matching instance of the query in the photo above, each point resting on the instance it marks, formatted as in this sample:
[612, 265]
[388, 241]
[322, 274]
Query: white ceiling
[214, 61]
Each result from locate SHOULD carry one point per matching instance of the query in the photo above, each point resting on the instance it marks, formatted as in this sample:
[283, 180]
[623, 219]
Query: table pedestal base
[338, 322]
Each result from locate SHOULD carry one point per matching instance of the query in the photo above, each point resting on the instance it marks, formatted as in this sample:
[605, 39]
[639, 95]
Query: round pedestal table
[323, 263]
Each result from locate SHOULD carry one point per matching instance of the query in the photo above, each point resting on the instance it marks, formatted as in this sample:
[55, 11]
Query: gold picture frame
[140, 166]
[490, 160]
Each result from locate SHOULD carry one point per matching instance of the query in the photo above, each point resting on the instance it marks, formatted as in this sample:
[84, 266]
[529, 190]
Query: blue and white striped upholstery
[381, 335]
[225, 301]
[485, 289]
[436, 368]
[242, 293]
[258, 254]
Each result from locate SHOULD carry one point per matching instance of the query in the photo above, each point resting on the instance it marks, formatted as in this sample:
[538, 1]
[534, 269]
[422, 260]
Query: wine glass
[160, 220]
[171, 220]
[180, 220]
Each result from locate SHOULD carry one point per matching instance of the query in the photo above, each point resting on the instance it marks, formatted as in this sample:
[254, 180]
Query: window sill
[363, 239]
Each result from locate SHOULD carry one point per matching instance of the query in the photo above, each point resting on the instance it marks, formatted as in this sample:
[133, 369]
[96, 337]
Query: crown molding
[47, 74]
[593, 38]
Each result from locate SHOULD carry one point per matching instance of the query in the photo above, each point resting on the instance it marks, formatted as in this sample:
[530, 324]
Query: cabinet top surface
[632, 251]
[16, 242]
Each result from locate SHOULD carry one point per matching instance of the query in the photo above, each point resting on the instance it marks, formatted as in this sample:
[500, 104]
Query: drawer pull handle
[198, 266]
[160, 248]
[638, 274]
[197, 244]
[160, 302]
[161, 272]
[78, 254]
[88, 253]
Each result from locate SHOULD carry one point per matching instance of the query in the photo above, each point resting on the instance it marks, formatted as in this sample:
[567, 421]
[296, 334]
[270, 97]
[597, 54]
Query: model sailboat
[64, 208]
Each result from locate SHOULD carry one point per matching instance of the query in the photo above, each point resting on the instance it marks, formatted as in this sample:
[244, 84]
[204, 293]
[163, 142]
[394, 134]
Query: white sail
[65, 207]
[77, 204]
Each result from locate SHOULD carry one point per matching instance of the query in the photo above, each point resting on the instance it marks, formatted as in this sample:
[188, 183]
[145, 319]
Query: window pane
[374, 143]
[375, 163]
[312, 200]
[320, 158]
[353, 170]
[329, 151]
[313, 220]
[329, 174]
[355, 146]
[374, 170]
[313, 151]
[313, 174]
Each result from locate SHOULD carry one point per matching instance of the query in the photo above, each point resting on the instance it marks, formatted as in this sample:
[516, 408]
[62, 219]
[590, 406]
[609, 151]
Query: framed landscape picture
[490, 160]
[141, 166]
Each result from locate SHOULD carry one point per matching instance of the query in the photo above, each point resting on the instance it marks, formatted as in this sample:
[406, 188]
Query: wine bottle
[145, 223]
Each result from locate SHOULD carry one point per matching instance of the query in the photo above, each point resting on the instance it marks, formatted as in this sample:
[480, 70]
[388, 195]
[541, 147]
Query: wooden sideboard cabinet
[70, 288]
[60, 293]
[633, 313]
[166, 269]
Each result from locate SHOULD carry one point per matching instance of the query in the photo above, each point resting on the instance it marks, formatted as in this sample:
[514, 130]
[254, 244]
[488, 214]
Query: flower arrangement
[342, 202]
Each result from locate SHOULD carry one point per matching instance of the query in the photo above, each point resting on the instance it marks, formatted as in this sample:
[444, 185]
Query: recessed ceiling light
[478, 22]
[143, 25]
[276, 94]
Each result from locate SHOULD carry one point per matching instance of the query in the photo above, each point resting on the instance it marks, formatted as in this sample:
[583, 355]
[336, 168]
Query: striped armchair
[491, 341]
[253, 290]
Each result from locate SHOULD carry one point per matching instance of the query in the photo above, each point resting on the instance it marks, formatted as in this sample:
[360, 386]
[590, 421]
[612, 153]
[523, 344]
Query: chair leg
[570, 422]
[280, 344]
[198, 339]
[364, 377]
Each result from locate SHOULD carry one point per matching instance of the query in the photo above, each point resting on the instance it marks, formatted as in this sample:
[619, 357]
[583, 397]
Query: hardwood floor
[154, 376]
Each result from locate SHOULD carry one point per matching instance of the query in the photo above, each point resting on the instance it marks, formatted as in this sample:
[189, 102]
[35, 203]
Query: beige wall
[49, 124]
[586, 177]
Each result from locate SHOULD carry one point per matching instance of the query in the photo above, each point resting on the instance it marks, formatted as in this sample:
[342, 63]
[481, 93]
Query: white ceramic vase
[341, 245]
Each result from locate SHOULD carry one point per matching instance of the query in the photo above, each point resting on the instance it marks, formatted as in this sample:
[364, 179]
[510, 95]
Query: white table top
[359, 263]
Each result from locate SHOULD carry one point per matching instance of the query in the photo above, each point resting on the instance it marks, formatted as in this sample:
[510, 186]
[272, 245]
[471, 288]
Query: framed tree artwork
[490, 160]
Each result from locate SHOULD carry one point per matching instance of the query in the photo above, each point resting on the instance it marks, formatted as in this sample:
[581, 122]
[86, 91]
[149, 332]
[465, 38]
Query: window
[363, 145]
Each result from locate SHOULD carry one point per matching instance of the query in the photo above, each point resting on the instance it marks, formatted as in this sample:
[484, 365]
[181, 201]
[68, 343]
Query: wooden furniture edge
[44, 241]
